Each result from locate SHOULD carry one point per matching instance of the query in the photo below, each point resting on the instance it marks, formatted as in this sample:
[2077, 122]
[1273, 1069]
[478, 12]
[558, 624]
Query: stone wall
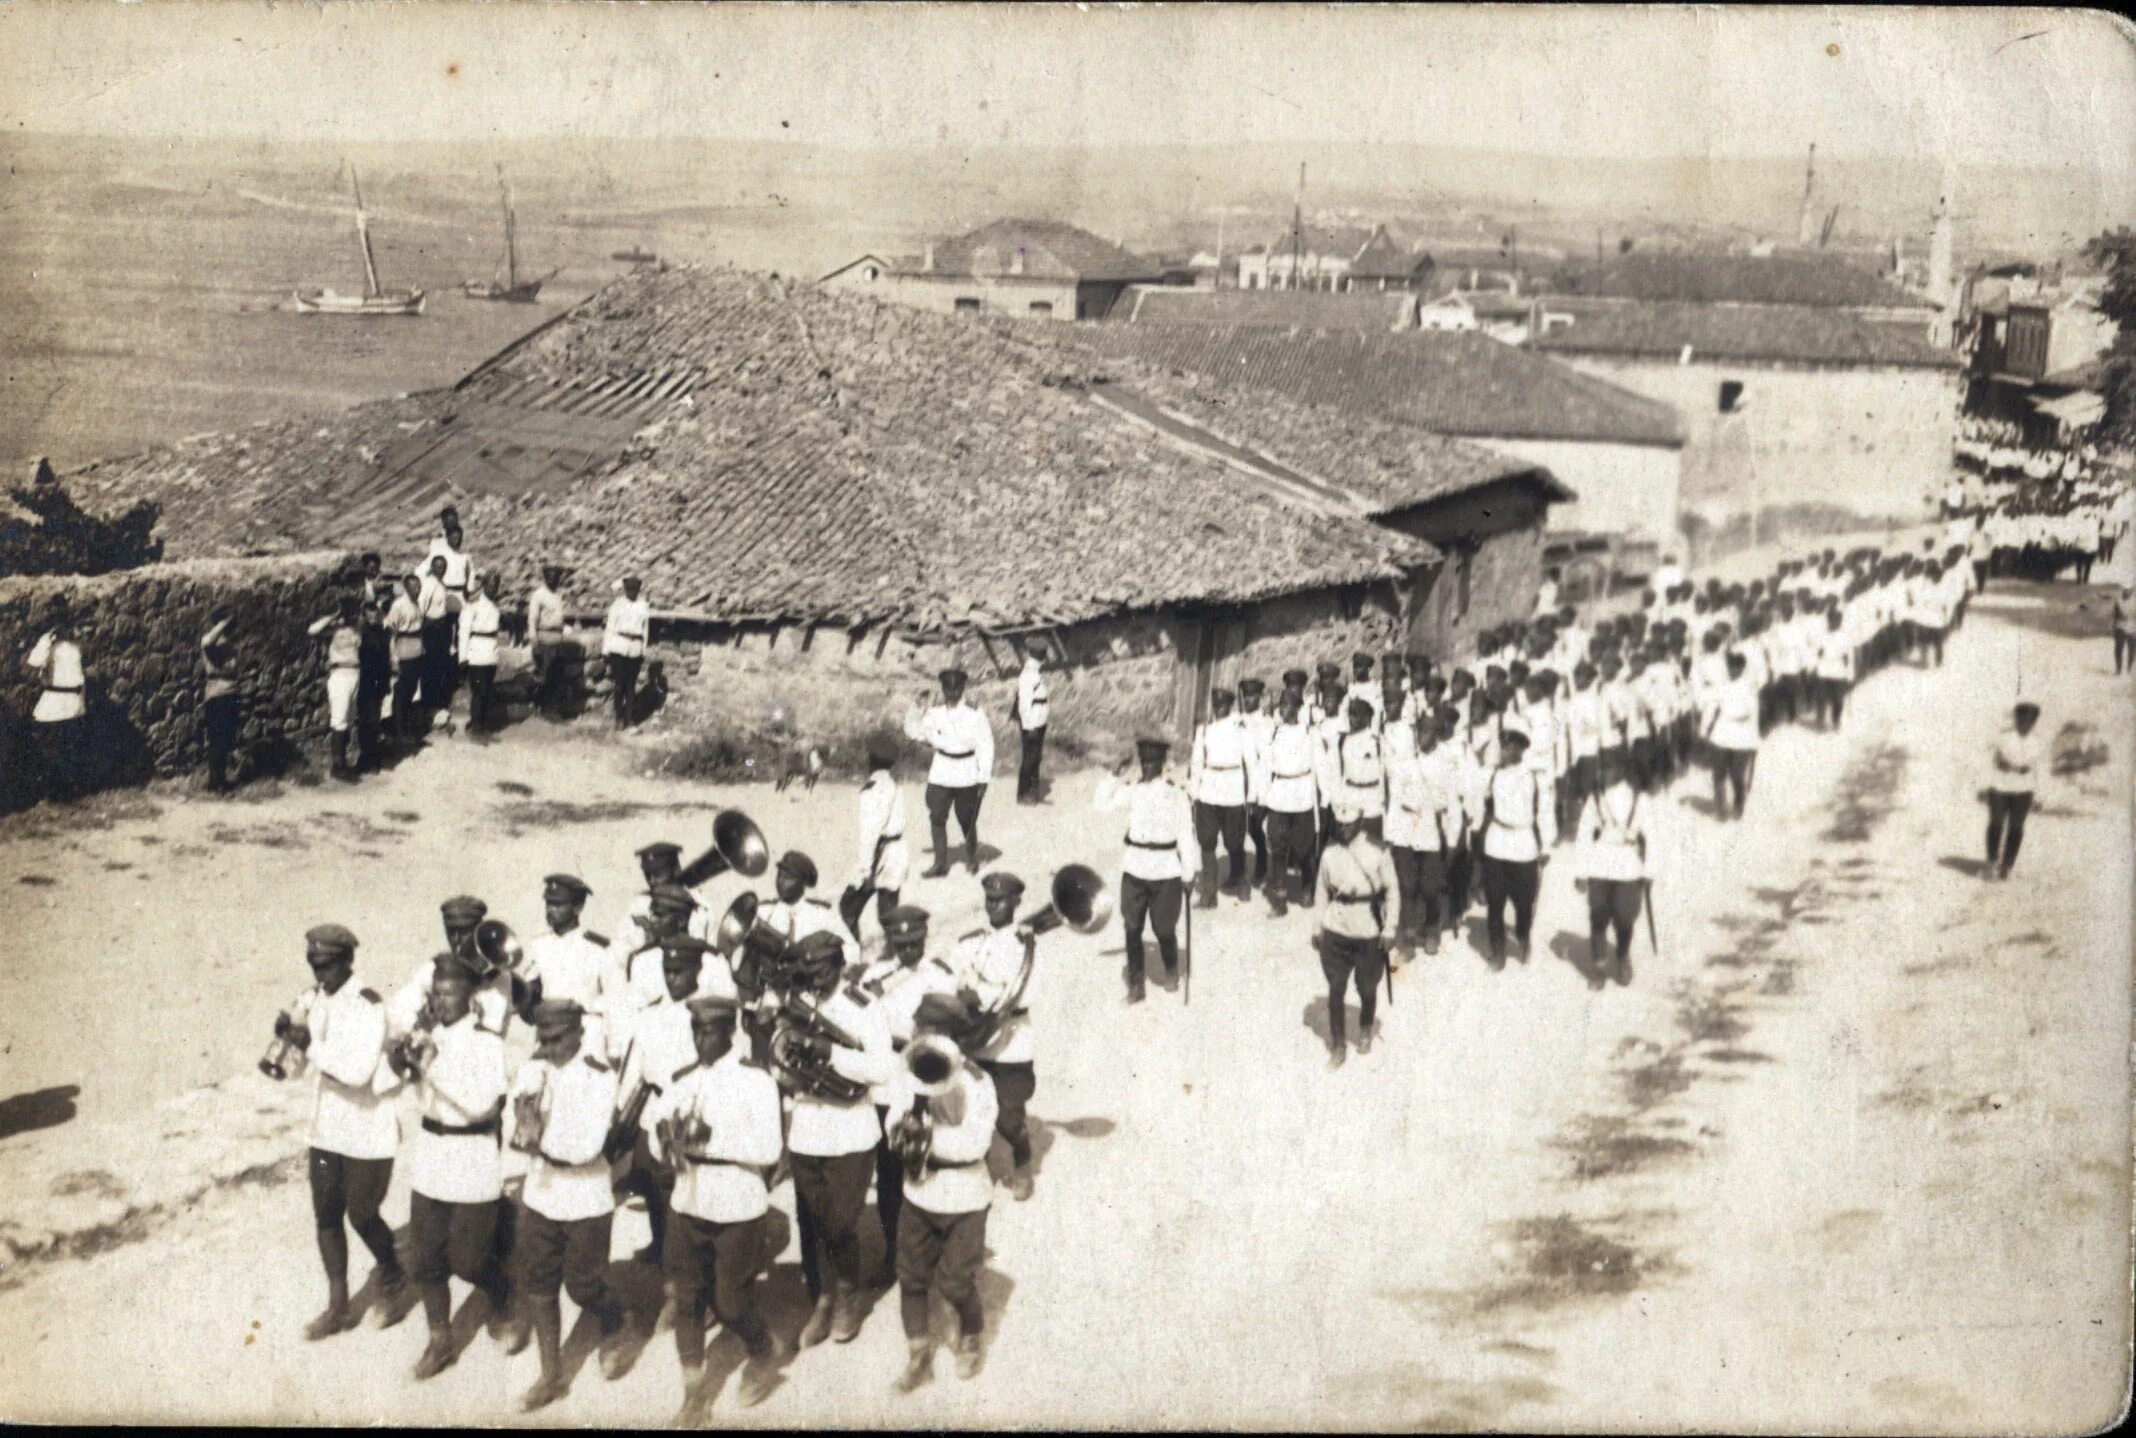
[140, 631]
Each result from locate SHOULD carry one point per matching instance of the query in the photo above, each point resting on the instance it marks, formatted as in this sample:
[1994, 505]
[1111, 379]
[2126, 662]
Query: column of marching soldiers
[698, 1061]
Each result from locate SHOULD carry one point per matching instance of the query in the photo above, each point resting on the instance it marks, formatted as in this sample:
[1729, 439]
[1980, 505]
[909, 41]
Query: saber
[1186, 961]
[1646, 894]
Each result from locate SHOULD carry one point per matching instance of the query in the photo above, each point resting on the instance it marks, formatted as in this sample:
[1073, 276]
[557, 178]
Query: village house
[2031, 346]
[1026, 268]
[1360, 311]
[819, 489]
[1338, 258]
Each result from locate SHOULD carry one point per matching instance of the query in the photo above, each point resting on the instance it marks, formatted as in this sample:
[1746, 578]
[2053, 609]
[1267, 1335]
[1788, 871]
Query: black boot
[548, 1321]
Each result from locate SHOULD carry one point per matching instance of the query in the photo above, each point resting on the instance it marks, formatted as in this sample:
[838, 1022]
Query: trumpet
[284, 1059]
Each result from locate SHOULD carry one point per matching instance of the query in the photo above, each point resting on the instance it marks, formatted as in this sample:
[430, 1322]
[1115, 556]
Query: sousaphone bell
[737, 844]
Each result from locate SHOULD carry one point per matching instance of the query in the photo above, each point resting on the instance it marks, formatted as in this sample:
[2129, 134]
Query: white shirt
[1583, 723]
[826, 1129]
[457, 563]
[624, 631]
[61, 662]
[568, 1178]
[1423, 800]
[479, 622]
[492, 1004]
[1357, 773]
[1031, 697]
[1160, 827]
[2014, 766]
[433, 598]
[644, 966]
[723, 1181]
[882, 857]
[660, 1047]
[1735, 715]
[545, 613]
[1610, 832]
[1522, 825]
[572, 966]
[896, 990]
[962, 739]
[989, 964]
[1216, 770]
[1352, 875]
[463, 1085]
[956, 1178]
[1288, 770]
[353, 1112]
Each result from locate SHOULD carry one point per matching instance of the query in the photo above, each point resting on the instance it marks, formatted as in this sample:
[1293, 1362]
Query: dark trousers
[1157, 902]
[942, 1252]
[1613, 905]
[2124, 649]
[1924, 639]
[1572, 795]
[964, 800]
[439, 664]
[219, 723]
[1257, 836]
[570, 1256]
[1228, 823]
[1505, 881]
[889, 1186]
[623, 672]
[405, 722]
[1340, 959]
[1013, 1086]
[1831, 700]
[371, 691]
[653, 1182]
[350, 1190]
[722, 1257]
[1027, 760]
[828, 1196]
[1290, 854]
[481, 697]
[549, 672]
[854, 902]
[1460, 878]
[1422, 875]
[1731, 775]
[62, 751]
[1980, 575]
[454, 1240]
[2006, 827]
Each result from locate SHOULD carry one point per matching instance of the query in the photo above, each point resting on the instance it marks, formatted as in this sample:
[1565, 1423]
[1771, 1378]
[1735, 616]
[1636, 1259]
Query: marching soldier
[1364, 912]
[1161, 858]
[1583, 735]
[1362, 688]
[1423, 815]
[943, 1132]
[1732, 728]
[494, 997]
[569, 963]
[963, 743]
[833, 1142]
[718, 1125]
[455, 1180]
[1517, 834]
[340, 1026]
[1259, 725]
[624, 633]
[1217, 784]
[1358, 769]
[561, 1104]
[883, 857]
[660, 1047]
[896, 982]
[671, 912]
[1612, 858]
[794, 915]
[1329, 729]
[988, 965]
[1288, 781]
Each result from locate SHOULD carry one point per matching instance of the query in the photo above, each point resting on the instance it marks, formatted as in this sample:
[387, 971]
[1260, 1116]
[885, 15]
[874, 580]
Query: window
[1731, 395]
[967, 304]
[1041, 307]
[870, 273]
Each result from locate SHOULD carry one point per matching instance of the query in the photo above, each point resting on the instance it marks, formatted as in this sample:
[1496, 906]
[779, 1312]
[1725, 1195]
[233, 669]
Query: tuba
[801, 1053]
[760, 954]
[737, 844]
[932, 1062]
[1082, 901]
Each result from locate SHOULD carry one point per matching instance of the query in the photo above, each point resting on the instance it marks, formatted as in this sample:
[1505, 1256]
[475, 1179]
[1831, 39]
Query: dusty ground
[1852, 1154]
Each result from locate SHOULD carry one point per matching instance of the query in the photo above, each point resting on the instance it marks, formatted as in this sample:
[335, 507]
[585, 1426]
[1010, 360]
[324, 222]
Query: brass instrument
[801, 1052]
[686, 1138]
[498, 945]
[1082, 901]
[411, 1053]
[737, 844]
[283, 1059]
[761, 955]
[530, 1118]
[932, 1062]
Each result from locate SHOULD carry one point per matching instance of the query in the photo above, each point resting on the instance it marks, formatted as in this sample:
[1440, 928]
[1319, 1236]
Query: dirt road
[1851, 1154]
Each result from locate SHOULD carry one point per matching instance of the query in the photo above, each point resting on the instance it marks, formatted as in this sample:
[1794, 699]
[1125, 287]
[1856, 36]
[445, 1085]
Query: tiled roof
[1779, 334]
[794, 452]
[1338, 241]
[1282, 309]
[1447, 382]
[1051, 250]
[1738, 279]
[1382, 258]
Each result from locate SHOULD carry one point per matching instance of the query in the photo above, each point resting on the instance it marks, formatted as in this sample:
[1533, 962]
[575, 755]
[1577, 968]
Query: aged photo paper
[1085, 717]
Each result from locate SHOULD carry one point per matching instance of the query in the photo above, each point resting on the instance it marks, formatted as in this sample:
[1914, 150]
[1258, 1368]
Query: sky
[1981, 86]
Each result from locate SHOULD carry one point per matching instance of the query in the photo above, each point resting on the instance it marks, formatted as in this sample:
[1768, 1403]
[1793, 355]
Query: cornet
[412, 1051]
[283, 1059]
[530, 1117]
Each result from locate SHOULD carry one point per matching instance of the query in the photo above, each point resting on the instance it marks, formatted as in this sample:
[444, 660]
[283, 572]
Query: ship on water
[375, 299]
[507, 285]
[636, 255]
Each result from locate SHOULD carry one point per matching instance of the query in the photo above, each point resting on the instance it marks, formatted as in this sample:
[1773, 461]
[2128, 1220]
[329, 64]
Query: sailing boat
[374, 300]
[511, 287]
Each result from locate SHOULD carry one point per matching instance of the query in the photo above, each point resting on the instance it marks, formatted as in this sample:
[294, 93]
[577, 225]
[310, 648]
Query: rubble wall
[139, 631]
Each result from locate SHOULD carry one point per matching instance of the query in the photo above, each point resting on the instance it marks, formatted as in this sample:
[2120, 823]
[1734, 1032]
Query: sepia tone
[1021, 716]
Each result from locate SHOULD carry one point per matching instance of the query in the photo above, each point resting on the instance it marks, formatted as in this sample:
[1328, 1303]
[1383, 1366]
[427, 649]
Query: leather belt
[1354, 898]
[64, 688]
[1301, 774]
[1134, 843]
[936, 1165]
[1222, 768]
[463, 1130]
[1362, 783]
[942, 753]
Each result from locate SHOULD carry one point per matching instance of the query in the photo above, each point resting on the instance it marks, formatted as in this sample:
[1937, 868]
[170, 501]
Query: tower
[1807, 222]
[1940, 287]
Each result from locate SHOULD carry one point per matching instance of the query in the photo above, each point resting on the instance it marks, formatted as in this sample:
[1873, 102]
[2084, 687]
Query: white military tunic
[1216, 770]
[739, 1104]
[989, 964]
[883, 858]
[660, 1046]
[955, 1179]
[624, 631]
[569, 1178]
[963, 742]
[574, 967]
[353, 1111]
[463, 1086]
[823, 1128]
[61, 661]
[1289, 769]
[1160, 827]
[1610, 834]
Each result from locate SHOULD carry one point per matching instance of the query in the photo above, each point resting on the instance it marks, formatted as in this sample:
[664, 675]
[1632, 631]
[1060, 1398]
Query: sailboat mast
[363, 236]
[511, 233]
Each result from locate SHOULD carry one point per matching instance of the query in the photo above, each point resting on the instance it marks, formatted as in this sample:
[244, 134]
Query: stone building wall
[140, 631]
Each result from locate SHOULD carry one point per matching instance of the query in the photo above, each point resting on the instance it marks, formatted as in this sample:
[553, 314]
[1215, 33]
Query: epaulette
[592, 937]
[688, 1068]
[369, 996]
[597, 1065]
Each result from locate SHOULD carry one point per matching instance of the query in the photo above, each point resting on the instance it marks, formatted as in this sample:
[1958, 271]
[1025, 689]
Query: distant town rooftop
[1813, 280]
[1049, 250]
[1777, 334]
[1357, 310]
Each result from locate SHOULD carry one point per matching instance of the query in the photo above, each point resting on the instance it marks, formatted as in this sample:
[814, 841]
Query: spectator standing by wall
[545, 631]
[623, 646]
[59, 723]
[220, 713]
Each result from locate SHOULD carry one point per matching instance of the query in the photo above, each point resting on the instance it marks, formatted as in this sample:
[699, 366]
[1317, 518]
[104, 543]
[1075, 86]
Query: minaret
[1940, 287]
[1806, 224]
